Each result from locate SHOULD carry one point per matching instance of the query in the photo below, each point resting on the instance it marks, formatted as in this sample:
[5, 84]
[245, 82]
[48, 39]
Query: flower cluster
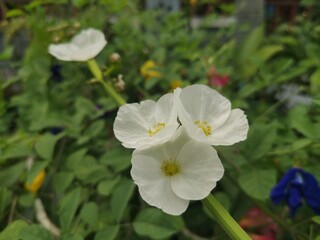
[173, 161]
[294, 186]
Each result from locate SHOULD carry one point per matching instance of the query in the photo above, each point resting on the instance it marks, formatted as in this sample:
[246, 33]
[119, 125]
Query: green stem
[96, 71]
[224, 219]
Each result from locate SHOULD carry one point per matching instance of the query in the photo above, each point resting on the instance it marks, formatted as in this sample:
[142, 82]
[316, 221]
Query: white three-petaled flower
[169, 175]
[207, 116]
[83, 47]
[146, 124]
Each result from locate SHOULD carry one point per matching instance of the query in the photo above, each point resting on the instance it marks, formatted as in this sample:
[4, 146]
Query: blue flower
[295, 186]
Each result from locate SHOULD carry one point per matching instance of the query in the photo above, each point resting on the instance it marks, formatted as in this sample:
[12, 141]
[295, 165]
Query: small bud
[120, 84]
[115, 57]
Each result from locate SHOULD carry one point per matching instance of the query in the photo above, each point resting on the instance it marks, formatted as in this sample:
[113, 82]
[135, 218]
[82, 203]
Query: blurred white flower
[171, 174]
[146, 124]
[207, 116]
[291, 94]
[84, 46]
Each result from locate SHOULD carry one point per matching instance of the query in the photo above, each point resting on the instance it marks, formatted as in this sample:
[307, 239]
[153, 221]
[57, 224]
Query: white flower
[170, 175]
[146, 124]
[208, 118]
[84, 46]
[291, 94]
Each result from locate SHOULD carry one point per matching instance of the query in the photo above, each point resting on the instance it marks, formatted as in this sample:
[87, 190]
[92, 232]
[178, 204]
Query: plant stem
[96, 71]
[224, 219]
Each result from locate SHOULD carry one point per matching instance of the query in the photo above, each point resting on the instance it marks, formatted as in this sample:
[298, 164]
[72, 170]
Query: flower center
[170, 167]
[156, 128]
[206, 128]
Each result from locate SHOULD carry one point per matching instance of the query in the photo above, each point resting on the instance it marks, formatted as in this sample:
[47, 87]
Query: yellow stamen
[170, 167]
[206, 128]
[155, 129]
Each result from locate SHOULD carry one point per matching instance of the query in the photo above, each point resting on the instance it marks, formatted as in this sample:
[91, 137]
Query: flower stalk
[97, 73]
[224, 219]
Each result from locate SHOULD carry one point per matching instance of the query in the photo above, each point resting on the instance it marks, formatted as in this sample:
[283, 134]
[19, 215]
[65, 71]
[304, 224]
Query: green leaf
[315, 81]
[79, 3]
[120, 198]
[74, 159]
[302, 124]
[70, 236]
[316, 100]
[106, 187]
[258, 183]
[68, 208]
[35, 232]
[89, 213]
[45, 145]
[6, 55]
[260, 140]
[296, 145]
[316, 219]
[84, 106]
[155, 224]
[61, 181]
[12, 232]
[89, 170]
[26, 200]
[95, 128]
[11, 174]
[16, 150]
[5, 199]
[14, 13]
[108, 233]
[249, 45]
[267, 52]
[117, 158]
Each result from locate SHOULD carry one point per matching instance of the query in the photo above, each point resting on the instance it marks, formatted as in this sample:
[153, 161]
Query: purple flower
[295, 186]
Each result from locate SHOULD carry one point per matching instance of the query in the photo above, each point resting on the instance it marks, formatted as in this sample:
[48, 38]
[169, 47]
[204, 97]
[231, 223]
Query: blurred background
[58, 154]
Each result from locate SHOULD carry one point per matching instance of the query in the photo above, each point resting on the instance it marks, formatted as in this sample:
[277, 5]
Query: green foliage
[120, 198]
[12, 232]
[68, 208]
[35, 232]
[156, 224]
[108, 233]
[258, 183]
[55, 118]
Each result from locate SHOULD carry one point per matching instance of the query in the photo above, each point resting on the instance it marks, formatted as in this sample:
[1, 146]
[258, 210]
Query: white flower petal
[164, 113]
[60, 51]
[234, 129]
[201, 168]
[200, 102]
[131, 123]
[134, 121]
[154, 188]
[208, 118]
[84, 46]
[160, 195]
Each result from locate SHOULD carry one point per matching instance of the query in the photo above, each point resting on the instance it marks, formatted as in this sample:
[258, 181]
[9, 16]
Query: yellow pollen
[206, 128]
[155, 129]
[170, 167]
